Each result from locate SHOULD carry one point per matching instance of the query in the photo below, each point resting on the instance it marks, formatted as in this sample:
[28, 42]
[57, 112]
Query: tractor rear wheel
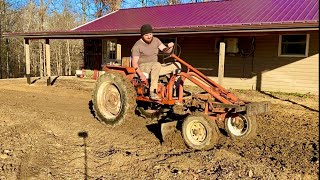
[114, 98]
[240, 127]
[200, 132]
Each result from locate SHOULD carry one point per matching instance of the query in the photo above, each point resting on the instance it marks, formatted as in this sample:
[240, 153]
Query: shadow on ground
[304, 106]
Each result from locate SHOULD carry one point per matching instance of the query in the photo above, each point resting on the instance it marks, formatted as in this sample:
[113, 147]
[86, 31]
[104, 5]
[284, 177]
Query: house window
[109, 50]
[112, 49]
[293, 45]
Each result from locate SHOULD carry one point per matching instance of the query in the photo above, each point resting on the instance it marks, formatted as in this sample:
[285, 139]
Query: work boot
[154, 96]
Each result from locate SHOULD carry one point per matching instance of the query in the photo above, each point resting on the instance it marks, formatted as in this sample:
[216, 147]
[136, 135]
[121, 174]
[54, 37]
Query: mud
[50, 133]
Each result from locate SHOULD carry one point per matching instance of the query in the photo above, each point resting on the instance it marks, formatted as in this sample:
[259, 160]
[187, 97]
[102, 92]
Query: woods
[53, 15]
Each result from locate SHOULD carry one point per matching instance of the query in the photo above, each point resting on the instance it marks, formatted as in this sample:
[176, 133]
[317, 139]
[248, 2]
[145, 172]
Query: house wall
[264, 70]
[289, 74]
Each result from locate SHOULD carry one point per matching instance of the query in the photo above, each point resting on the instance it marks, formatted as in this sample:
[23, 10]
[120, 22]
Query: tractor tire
[240, 127]
[200, 132]
[114, 98]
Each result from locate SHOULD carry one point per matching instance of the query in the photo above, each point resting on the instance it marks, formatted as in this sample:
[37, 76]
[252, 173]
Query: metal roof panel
[213, 13]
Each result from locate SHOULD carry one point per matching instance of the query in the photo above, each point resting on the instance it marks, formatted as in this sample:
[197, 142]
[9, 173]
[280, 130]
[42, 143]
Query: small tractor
[119, 94]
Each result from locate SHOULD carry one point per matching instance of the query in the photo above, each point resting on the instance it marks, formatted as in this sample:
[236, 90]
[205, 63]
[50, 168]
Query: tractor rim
[238, 126]
[109, 100]
[196, 132]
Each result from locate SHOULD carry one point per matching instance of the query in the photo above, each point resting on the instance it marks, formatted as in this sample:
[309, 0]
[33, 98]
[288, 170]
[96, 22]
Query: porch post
[118, 49]
[221, 63]
[48, 62]
[27, 53]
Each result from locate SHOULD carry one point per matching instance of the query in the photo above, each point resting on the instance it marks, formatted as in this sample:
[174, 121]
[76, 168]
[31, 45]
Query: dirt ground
[50, 133]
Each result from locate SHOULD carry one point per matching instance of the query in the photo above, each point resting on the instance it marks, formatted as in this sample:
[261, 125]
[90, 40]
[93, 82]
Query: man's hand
[166, 49]
[171, 44]
[143, 77]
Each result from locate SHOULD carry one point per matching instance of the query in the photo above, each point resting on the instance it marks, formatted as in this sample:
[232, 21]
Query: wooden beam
[48, 64]
[118, 51]
[27, 54]
[222, 50]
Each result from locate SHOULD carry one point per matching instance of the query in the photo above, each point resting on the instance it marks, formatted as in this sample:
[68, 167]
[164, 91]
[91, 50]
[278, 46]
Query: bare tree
[1, 20]
[171, 2]
[106, 6]
[84, 6]
[143, 3]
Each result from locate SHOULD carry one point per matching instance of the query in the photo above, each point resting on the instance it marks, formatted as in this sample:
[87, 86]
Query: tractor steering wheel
[175, 47]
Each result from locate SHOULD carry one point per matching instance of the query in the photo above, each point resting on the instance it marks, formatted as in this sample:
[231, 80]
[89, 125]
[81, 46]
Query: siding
[199, 52]
[264, 71]
[288, 74]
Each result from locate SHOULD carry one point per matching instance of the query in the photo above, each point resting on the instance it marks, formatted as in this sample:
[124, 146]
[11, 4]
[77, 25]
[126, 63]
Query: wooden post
[48, 62]
[27, 53]
[126, 62]
[221, 62]
[41, 59]
[118, 51]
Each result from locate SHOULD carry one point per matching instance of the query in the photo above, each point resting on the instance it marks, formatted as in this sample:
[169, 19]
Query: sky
[74, 5]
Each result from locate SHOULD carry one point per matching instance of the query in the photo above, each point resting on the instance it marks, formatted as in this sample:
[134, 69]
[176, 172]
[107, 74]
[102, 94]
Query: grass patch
[300, 95]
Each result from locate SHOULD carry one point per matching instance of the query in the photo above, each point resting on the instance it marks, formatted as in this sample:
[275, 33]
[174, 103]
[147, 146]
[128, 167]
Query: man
[145, 58]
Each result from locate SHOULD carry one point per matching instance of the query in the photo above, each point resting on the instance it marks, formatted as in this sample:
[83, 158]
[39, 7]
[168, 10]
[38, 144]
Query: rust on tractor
[203, 112]
[214, 100]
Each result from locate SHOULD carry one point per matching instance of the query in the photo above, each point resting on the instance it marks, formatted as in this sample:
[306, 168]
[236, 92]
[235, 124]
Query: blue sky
[74, 5]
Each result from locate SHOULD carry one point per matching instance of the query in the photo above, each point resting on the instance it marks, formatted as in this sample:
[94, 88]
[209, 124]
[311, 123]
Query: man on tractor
[145, 59]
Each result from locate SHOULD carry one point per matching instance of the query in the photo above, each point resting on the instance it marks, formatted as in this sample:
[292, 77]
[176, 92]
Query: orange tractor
[119, 93]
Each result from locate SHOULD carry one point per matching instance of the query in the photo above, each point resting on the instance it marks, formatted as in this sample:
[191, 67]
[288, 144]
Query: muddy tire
[114, 98]
[200, 132]
[241, 127]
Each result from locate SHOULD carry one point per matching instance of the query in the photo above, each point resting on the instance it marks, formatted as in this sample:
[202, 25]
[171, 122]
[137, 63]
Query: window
[109, 50]
[293, 45]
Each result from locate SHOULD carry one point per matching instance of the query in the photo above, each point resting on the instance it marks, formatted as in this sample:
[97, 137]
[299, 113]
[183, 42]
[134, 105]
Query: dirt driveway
[50, 133]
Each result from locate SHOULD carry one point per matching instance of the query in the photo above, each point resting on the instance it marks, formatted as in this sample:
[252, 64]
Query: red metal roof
[210, 15]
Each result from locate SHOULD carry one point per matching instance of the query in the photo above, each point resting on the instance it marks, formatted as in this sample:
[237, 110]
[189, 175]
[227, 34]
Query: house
[270, 45]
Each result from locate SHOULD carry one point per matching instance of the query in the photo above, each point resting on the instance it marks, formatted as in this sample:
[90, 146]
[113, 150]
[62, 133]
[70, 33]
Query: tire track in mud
[62, 151]
[40, 139]
[290, 148]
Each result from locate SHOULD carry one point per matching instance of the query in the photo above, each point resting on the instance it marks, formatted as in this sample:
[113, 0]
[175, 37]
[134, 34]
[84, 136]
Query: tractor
[120, 94]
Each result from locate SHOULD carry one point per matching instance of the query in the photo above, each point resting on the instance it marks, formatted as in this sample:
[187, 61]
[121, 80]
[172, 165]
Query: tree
[106, 6]
[2, 20]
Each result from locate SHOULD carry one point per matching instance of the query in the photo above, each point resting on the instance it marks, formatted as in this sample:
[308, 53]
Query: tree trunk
[8, 69]
[115, 5]
[1, 41]
[171, 2]
[84, 4]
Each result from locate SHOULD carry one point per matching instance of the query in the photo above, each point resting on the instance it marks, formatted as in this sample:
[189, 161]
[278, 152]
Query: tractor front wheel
[114, 98]
[240, 127]
[200, 132]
